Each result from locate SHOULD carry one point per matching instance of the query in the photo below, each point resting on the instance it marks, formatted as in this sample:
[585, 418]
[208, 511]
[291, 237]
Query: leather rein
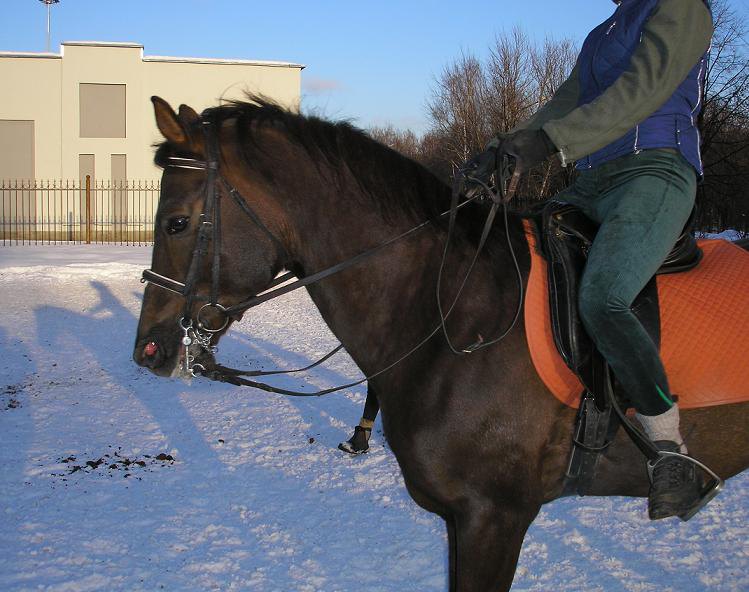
[197, 332]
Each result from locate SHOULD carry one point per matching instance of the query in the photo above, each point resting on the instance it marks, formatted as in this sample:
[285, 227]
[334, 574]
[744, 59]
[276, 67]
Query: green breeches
[642, 202]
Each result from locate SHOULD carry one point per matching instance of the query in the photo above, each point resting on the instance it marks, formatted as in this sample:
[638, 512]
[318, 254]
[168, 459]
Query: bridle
[209, 231]
[197, 331]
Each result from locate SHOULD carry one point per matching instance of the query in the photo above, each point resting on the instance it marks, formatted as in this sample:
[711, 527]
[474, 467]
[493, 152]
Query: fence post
[88, 209]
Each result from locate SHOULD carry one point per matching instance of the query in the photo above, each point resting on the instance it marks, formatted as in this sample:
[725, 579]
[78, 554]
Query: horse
[479, 439]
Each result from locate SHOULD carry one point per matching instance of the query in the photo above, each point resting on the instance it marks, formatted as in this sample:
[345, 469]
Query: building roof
[171, 59]
[30, 54]
[222, 61]
[104, 43]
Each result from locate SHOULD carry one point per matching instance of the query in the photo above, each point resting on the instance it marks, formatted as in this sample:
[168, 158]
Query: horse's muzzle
[152, 353]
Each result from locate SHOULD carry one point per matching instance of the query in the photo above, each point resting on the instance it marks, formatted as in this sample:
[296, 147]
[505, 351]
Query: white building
[77, 130]
[87, 110]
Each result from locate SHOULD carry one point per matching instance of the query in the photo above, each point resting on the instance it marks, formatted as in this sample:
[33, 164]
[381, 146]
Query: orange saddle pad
[704, 329]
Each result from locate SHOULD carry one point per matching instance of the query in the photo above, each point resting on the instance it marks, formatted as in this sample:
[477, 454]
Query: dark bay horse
[479, 439]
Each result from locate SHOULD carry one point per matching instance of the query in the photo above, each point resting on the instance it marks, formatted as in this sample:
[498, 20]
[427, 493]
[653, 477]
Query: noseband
[197, 331]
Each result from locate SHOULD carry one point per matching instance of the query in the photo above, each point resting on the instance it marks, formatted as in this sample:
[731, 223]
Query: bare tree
[550, 65]
[403, 141]
[472, 101]
[727, 81]
[510, 88]
[723, 198]
[456, 109]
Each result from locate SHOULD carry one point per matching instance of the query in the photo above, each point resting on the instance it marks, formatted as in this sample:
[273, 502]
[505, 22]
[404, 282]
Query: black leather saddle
[566, 237]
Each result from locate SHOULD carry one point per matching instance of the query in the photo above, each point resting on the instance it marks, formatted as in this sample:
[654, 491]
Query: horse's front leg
[485, 541]
[359, 441]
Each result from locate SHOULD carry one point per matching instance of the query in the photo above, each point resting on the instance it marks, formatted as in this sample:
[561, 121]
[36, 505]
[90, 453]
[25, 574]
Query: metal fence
[50, 212]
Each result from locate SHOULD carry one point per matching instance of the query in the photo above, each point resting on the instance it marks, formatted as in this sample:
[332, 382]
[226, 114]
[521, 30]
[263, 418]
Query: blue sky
[372, 62]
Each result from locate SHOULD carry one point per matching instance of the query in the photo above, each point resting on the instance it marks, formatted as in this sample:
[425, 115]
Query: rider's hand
[480, 168]
[525, 148]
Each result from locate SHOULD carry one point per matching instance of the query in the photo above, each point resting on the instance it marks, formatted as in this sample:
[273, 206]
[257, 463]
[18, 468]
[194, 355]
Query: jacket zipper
[595, 52]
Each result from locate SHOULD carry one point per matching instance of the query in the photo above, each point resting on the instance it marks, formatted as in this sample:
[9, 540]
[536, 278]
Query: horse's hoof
[358, 443]
[348, 447]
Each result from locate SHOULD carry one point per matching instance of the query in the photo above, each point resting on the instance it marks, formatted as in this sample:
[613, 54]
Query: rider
[627, 117]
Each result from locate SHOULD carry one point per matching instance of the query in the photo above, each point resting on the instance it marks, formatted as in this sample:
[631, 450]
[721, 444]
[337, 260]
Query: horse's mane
[401, 183]
[394, 182]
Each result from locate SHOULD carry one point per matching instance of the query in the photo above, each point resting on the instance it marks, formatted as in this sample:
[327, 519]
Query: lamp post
[49, 3]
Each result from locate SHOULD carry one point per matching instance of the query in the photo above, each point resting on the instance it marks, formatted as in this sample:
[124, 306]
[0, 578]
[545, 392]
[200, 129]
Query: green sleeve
[563, 101]
[674, 39]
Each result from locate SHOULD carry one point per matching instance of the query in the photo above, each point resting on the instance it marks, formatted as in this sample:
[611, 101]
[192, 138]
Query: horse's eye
[177, 224]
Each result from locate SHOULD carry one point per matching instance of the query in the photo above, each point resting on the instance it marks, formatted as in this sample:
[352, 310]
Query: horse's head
[199, 155]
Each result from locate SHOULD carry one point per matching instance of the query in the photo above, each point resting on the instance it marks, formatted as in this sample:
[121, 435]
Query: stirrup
[713, 487]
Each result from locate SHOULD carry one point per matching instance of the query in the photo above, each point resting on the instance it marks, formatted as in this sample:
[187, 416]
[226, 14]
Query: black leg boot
[358, 443]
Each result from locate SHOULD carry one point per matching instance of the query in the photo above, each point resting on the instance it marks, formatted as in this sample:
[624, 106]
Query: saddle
[566, 237]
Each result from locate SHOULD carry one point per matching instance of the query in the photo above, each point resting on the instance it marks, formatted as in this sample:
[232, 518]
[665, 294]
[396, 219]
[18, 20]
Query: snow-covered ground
[730, 235]
[113, 479]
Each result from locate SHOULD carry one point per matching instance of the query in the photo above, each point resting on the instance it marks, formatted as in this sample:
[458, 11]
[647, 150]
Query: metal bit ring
[201, 323]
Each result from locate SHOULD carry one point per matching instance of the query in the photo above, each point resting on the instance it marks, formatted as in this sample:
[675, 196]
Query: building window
[102, 110]
[119, 188]
[86, 167]
[17, 204]
[16, 149]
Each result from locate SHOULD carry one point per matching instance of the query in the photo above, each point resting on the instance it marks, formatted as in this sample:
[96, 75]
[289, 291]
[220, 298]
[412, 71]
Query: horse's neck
[385, 304]
[363, 304]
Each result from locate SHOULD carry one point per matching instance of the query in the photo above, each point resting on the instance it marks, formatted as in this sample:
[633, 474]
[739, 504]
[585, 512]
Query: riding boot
[358, 443]
[674, 485]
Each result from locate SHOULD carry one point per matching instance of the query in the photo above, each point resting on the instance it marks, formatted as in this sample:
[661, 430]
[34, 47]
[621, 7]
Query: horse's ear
[188, 115]
[170, 126]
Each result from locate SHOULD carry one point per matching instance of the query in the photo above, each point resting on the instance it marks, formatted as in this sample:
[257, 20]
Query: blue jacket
[605, 56]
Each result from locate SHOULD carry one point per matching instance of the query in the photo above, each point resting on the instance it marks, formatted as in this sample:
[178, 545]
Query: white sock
[663, 427]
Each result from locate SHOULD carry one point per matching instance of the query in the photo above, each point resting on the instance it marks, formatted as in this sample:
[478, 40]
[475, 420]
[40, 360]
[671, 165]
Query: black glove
[480, 167]
[526, 148]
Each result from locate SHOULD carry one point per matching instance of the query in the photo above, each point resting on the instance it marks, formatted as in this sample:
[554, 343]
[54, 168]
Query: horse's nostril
[150, 349]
